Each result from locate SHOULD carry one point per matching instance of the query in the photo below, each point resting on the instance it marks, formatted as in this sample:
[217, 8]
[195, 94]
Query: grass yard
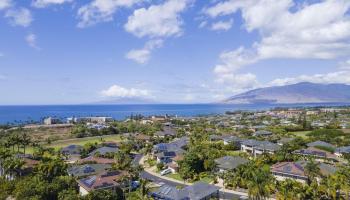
[175, 176]
[301, 134]
[233, 153]
[79, 141]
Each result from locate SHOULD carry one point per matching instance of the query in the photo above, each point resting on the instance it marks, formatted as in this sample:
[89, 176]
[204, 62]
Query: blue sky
[175, 51]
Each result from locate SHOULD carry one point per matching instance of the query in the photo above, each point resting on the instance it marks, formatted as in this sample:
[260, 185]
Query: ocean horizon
[24, 114]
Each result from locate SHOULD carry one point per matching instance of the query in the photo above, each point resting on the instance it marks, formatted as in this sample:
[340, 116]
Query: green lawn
[301, 134]
[206, 179]
[175, 176]
[79, 141]
[233, 153]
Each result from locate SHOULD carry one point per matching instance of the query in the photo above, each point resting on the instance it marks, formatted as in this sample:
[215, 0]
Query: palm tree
[142, 192]
[260, 185]
[11, 166]
[289, 189]
[312, 170]
[4, 155]
[329, 187]
[25, 140]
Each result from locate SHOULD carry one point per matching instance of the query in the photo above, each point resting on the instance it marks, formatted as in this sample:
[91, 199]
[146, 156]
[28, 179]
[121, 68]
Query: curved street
[158, 179]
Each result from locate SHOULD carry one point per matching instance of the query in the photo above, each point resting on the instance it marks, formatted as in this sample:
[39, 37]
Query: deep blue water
[23, 114]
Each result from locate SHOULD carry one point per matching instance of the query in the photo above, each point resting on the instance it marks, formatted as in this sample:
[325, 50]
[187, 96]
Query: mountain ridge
[303, 92]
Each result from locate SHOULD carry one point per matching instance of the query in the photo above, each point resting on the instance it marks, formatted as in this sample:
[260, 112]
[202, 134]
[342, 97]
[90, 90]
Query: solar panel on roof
[89, 181]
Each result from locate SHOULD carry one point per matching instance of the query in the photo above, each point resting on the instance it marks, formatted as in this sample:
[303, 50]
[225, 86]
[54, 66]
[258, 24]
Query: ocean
[29, 114]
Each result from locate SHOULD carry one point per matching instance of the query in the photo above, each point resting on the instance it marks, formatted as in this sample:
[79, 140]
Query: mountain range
[304, 92]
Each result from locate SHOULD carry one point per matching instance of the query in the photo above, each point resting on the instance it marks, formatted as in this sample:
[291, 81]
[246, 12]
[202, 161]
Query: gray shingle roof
[320, 143]
[230, 162]
[196, 191]
[72, 149]
[262, 133]
[104, 150]
[343, 149]
[88, 169]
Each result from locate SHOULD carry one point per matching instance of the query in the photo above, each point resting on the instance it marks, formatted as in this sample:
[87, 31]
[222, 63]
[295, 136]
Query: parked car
[165, 172]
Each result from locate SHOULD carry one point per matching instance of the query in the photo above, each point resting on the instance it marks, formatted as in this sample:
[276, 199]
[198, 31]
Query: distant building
[97, 120]
[51, 120]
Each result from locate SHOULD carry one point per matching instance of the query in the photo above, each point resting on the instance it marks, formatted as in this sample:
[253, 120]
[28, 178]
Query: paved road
[159, 180]
[156, 179]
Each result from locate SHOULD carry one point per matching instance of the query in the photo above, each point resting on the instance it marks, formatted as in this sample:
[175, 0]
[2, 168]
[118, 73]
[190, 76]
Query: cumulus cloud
[31, 40]
[142, 56]
[161, 20]
[5, 4]
[121, 92]
[19, 17]
[318, 30]
[222, 25]
[45, 3]
[101, 11]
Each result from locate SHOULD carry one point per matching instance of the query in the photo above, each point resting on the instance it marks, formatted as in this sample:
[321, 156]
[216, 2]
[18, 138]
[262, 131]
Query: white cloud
[222, 25]
[1, 55]
[2, 77]
[142, 56]
[121, 92]
[31, 40]
[5, 4]
[19, 17]
[101, 11]
[45, 3]
[161, 20]
[297, 31]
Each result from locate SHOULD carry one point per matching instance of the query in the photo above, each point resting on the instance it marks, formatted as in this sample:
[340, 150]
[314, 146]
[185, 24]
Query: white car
[165, 172]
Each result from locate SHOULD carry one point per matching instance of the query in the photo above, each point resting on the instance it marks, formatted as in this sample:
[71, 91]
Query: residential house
[104, 151]
[95, 159]
[256, 147]
[174, 165]
[319, 154]
[72, 149]
[229, 163]
[320, 144]
[197, 191]
[291, 170]
[262, 133]
[166, 132]
[233, 140]
[88, 169]
[104, 181]
[340, 151]
[296, 170]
